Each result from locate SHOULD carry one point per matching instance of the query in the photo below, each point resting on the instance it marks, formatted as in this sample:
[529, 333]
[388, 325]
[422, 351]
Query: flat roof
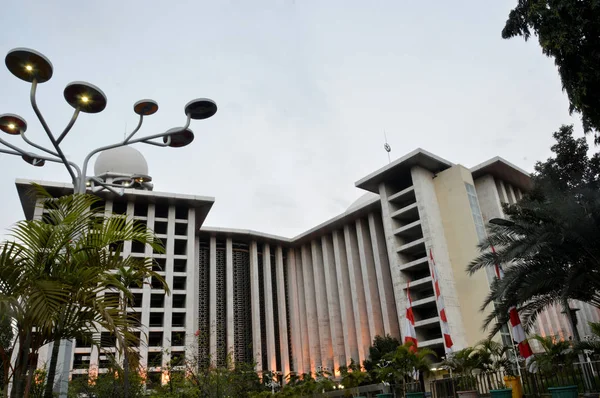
[236, 232]
[202, 204]
[504, 170]
[400, 167]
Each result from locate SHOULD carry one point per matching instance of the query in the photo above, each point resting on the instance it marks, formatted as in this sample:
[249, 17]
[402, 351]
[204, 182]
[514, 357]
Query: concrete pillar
[294, 312]
[212, 301]
[303, 314]
[359, 305]
[281, 306]
[345, 297]
[311, 309]
[398, 281]
[269, 319]
[229, 295]
[191, 302]
[502, 191]
[512, 198]
[255, 306]
[333, 303]
[321, 301]
[369, 277]
[384, 278]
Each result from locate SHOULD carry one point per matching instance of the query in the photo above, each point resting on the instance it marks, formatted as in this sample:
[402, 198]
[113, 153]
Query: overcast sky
[305, 90]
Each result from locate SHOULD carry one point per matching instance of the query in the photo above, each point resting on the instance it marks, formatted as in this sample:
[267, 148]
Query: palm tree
[52, 275]
[555, 353]
[549, 248]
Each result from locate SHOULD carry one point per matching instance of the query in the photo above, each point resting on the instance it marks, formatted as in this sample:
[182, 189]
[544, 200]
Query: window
[160, 227]
[180, 247]
[155, 283]
[177, 358]
[161, 245]
[81, 361]
[105, 361]
[119, 208]
[155, 339]
[112, 299]
[181, 212]
[140, 209]
[178, 319]
[161, 211]
[177, 338]
[138, 247]
[107, 339]
[140, 224]
[134, 318]
[156, 319]
[179, 282]
[159, 264]
[179, 265]
[137, 300]
[83, 343]
[134, 339]
[179, 301]
[157, 300]
[154, 359]
[181, 229]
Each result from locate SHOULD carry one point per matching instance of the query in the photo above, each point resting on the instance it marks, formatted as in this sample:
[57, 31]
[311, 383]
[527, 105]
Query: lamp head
[200, 108]
[179, 138]
[145, 107]
[85, 96]
[12, 124]
[28, 65]
[32, 160]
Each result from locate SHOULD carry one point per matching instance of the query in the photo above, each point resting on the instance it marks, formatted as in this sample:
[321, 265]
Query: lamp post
[33, 67]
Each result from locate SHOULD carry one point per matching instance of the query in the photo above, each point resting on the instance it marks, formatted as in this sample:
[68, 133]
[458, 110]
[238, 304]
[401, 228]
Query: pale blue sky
[305, 90]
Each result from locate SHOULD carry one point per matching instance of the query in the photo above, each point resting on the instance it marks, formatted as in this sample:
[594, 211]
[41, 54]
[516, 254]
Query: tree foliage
[53, 272]
[549, 250]
[569, 32]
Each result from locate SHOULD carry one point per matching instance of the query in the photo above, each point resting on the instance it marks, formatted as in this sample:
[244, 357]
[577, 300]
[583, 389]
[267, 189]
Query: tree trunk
[32, 366]
[20, 370]
[125, 356]
[52, 369]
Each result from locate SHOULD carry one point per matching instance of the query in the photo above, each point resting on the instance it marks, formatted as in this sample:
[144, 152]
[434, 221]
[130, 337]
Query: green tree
[382, 345]
[53, 272]
[555, 353]
[353, 376]
[549, 248]
[6, 340]
[403, 365]
[569, 32]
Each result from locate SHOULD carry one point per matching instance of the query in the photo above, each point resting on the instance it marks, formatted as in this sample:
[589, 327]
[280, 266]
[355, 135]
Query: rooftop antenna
[387, 147]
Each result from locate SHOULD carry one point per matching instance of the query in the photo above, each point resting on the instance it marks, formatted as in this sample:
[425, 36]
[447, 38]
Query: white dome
[360, 202]
[121, 160]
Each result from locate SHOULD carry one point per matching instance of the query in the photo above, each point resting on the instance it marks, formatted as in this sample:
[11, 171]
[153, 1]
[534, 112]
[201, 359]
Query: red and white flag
[410, 336]
[441, 307]
[518, 333]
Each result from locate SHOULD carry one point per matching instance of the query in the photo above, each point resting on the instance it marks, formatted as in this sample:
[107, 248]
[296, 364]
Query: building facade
[317, 300]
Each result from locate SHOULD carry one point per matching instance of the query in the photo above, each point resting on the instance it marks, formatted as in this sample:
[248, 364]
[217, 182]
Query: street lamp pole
[35, 68]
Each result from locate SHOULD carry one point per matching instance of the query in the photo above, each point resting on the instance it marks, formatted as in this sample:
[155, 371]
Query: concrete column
[311, 309]
[191, 302]
[512, 198]
[281, 305]
[255, 307]
[398, 281]
[294, 312]
[303, 314]
[345, 297]
[369, 277]
[321, 301]
[333, 303]
[212, 301]
[384, 278]
[269, 319]
[502, 191]
[168, 306]
[190, 339]
[359, 305]
[229, 294]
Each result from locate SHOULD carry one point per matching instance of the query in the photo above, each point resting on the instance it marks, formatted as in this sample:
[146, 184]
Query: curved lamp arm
[135, 130]
[19, 152]
[48, 132]
[33, 144]
[69, 126]
[120, 144]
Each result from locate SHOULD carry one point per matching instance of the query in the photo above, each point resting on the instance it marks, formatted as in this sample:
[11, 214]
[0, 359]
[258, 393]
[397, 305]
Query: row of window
[157, 300]
[155, 359]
